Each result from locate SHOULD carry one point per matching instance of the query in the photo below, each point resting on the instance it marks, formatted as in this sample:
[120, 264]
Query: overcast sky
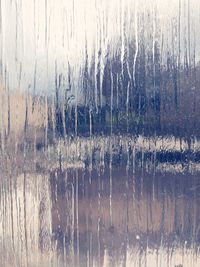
[37, 33]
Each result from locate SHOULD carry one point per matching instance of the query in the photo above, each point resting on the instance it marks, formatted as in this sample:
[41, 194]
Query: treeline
[142, 82]
[130, 90]
[133, 92]
[158, 99]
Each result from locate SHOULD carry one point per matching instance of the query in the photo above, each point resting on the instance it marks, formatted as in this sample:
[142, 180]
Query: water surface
[107, 215]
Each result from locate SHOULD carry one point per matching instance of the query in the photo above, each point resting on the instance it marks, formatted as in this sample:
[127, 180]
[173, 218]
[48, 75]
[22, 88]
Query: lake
[102, 205]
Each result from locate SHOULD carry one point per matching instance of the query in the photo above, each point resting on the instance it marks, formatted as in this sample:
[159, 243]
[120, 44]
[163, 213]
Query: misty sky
[36, 35]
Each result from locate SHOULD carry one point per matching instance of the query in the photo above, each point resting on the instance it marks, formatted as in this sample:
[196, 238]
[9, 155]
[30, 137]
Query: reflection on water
[99, 217]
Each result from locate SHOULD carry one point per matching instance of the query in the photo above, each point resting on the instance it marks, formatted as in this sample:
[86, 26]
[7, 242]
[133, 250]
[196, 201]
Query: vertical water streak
[110, 183]
[99, 220]
[122, 23]
[111, 102]
[136, 40]
[127, 106]
[25, 220]
[46, 19]
[179, 47]
[77, 218]
[189, 35]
